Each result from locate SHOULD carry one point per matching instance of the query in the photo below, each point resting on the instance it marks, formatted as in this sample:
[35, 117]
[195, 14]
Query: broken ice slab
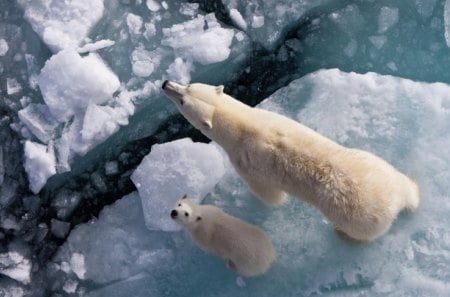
[15, 266]
[65, 203]
[171, 170]
[59, 228]
[62, 24]
[39, 121]
[40, 164]
[69, 83]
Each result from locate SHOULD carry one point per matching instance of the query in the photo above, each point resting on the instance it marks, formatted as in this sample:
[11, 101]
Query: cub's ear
[207, 124]
[199, 219]
[184, 196]
[219, 90]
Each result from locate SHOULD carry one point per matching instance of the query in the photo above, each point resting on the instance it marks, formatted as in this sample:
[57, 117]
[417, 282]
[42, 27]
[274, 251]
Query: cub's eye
[179, 204]
[186, 214]
[181, 101]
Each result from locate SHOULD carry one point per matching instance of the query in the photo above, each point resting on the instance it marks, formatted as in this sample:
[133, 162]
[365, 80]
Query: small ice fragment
[257, 21]
[78, 265]
[92, 47]
[2, 166]
[39, 164]
[59, 228]
[3, 47]
[12, 86]
[142, 62]
[165, 5]
[387, 18]
[70, 286]
[153, 5]
[240, 282]
[180, 71]
[378, 41]
[111, 168]
[237, 19]
[134, 23]
[65, 203]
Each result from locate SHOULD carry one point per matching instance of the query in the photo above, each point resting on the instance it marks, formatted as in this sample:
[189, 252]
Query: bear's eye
[186, 214]
[179, 204]
[181, 101]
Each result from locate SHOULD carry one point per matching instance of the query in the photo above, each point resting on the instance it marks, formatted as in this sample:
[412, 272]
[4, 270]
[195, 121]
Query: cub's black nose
[174, 213]
[164, 84]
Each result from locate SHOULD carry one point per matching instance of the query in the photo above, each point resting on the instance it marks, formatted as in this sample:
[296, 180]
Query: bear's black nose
[174, 213]
[164, 84]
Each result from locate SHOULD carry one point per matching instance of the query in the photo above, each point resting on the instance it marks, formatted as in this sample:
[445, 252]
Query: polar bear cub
[360, 193]
[246, 249]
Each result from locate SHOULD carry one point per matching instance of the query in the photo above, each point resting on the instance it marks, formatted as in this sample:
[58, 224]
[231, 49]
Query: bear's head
[184, 213]
[196, 102]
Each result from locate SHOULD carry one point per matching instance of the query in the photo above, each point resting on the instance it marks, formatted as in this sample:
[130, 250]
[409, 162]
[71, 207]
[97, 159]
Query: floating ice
[15, 266]
[447, 21]
[388, 17]
[62, 24]
[39, 164]
[171, 170]
[3, 47]
[69, 83]
[143, 62]
[2, 166]
[153, 5]
[237, 18]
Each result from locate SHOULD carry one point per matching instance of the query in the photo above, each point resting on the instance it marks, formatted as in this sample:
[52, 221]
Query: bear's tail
[413, 197]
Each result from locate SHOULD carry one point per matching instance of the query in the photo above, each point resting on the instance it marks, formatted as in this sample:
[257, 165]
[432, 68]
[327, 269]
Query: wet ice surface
[80, 108]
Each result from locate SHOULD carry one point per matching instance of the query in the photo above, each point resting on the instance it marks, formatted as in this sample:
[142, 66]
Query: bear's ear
[219, 90]
[199, 218]
[184, 196]
[207, 124]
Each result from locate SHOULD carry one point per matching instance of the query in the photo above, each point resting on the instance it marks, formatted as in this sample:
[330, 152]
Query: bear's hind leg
[270, 196]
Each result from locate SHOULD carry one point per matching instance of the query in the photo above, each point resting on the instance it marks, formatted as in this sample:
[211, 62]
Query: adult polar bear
[358, 192]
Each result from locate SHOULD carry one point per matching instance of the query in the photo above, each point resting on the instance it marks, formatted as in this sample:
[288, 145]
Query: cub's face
[183, 213]
[196, 102]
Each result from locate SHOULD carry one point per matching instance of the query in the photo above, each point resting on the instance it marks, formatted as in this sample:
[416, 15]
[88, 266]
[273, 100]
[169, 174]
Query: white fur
[358, 192]
[246, 249]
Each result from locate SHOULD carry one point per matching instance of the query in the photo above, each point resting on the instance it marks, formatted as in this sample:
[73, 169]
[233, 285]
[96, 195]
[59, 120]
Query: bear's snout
[164, 84]
[173, 213]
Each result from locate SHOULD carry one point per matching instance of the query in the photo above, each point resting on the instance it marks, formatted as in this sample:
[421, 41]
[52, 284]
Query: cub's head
[196, 102]
[184, 213]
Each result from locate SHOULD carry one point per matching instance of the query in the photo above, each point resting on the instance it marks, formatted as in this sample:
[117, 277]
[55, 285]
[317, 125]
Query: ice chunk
[69, 83]
[3, 47]
[447, 21]
[180, 71]
[425, 7]
[111, 168]
[193, 42]
[62, 24]
[39, 121]
[2, 166]
[153, 5]
[91, 47]
[171, 170]
[12, 86]
[59, 228]
[378, 41]
[15, 266]
[39, 164]
[143, 62]
[388, 17]
[237, 18]
[78, 265]
[134, 23]
[65, 203]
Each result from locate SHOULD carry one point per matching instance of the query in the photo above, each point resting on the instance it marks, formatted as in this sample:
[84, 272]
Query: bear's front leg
[269, 195]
